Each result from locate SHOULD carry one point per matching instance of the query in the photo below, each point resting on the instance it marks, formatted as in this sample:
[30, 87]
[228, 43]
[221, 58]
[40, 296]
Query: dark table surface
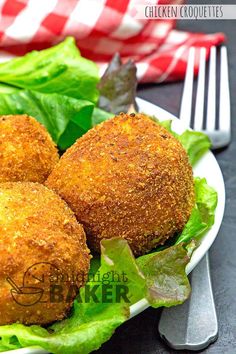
[140, 335]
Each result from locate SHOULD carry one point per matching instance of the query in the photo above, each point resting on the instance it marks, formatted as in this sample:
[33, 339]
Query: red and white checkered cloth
[101, 28]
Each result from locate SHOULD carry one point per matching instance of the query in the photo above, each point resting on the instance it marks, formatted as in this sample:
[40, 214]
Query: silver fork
[220, 136]
[193, 325]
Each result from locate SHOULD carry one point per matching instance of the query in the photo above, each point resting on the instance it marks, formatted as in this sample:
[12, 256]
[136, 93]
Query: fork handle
[193, 325]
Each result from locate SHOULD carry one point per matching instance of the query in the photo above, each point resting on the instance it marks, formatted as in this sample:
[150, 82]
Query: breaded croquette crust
[41, 246]
[127, 177]
[27, 152]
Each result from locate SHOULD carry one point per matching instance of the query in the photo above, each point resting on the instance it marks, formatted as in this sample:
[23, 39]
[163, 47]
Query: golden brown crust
[40, 238]
[127, 177]
[27, 152]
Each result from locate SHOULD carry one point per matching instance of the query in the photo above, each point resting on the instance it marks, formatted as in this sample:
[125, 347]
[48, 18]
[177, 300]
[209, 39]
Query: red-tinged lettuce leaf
[166, 279]
[120, 254]
[117, 87]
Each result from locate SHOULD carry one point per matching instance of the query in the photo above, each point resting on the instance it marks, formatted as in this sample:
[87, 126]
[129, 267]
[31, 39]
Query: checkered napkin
[101, 28]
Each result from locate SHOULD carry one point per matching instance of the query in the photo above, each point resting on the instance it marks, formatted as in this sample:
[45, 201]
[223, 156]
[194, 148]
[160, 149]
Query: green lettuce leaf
[99, 116]
[8, 89]
[203, 214]
[195, 143]
[59, 69]
[92, 323]
[64, 117]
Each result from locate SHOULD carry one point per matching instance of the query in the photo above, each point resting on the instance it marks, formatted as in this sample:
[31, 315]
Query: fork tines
[218, 133]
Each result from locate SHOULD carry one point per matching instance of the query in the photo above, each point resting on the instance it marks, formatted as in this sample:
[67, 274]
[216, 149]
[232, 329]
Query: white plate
[207, 167]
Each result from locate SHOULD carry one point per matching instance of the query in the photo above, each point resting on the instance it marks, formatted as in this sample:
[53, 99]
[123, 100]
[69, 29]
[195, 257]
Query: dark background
[140, 335]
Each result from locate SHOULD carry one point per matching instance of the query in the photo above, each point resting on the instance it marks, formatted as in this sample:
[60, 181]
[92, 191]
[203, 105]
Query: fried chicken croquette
[44, 259]
[27, 152]
[127, 177]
